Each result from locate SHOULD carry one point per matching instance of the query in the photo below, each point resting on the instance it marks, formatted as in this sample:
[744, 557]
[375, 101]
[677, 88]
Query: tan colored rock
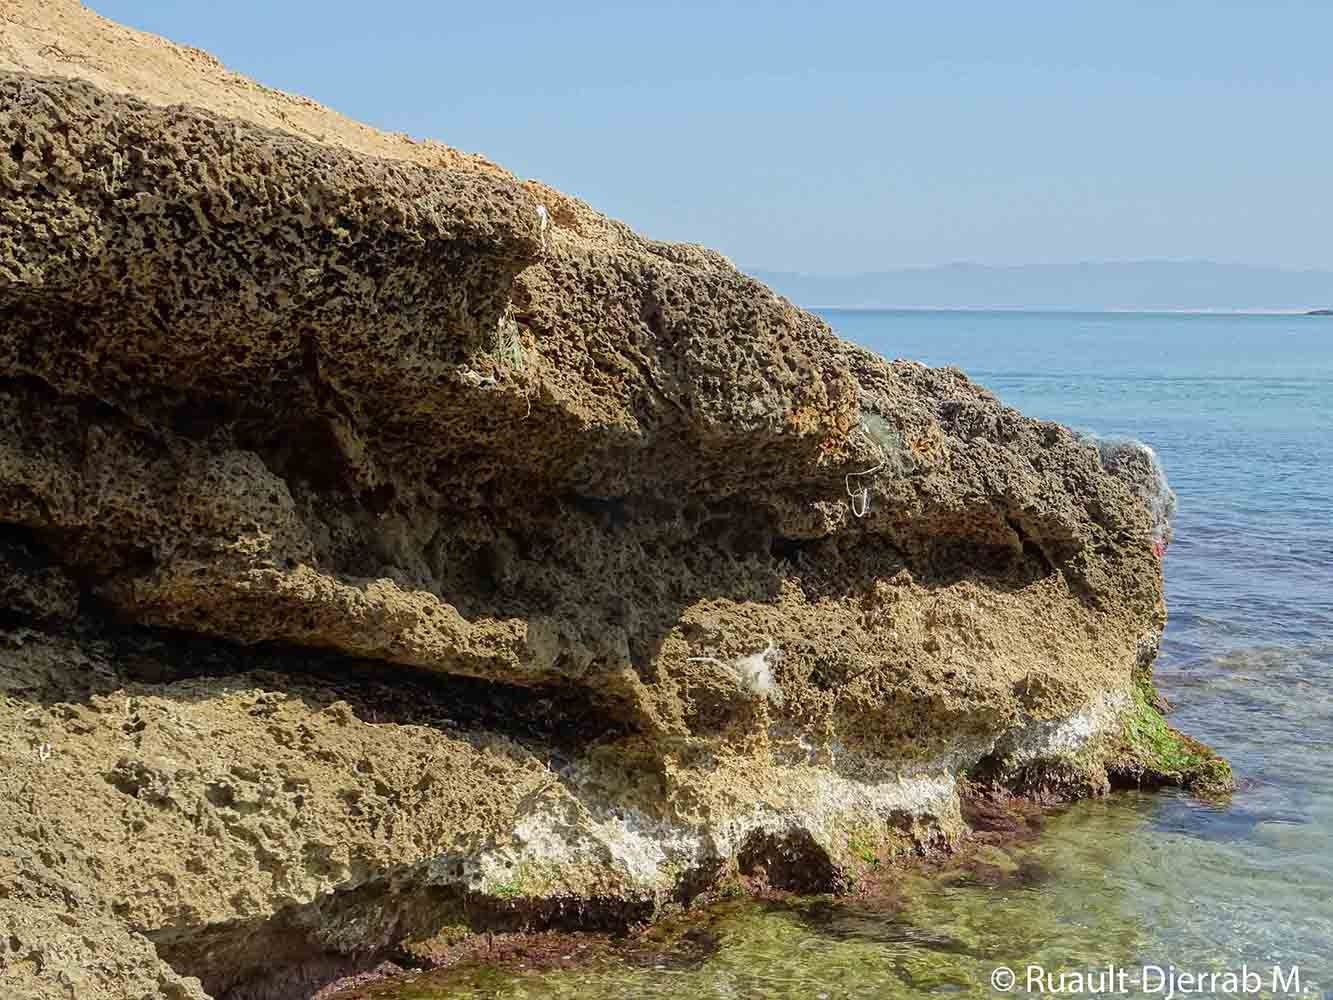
[650, 576]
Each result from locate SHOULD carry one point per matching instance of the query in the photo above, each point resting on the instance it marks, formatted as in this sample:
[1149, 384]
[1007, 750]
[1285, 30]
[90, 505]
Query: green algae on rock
[391, 546]
[1151, 752]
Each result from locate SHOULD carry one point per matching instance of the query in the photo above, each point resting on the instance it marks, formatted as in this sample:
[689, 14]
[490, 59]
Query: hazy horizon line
[1080, 262]
[1062, 310]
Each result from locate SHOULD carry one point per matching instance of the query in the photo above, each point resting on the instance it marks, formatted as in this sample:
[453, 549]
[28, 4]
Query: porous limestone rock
[391, 548]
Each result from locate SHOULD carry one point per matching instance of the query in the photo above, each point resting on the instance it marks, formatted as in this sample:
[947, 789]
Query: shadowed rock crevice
[391, 919]
[190, 669]
[792, 862]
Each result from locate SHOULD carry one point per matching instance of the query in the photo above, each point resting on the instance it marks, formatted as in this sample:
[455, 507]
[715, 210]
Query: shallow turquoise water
[1240, 408]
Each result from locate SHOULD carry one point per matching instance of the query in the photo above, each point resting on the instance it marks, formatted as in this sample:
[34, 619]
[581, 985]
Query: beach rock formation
[392, 549]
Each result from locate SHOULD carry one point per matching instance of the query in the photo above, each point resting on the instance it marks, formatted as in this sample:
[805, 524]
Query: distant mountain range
[1137, 285]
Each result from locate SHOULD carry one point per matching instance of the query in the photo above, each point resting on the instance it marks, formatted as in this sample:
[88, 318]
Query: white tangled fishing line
[861, 495]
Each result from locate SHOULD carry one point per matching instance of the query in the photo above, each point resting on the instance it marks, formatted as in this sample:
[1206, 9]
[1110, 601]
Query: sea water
[1240, 409]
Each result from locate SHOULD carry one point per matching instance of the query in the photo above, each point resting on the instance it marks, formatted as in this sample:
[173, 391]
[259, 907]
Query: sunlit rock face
[391, 549]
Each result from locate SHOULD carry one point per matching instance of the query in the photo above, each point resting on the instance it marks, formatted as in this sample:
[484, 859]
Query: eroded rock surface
[391, 549]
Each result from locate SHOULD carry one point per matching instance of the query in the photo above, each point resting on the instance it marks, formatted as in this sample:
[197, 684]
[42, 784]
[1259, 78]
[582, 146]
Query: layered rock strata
[391, 548]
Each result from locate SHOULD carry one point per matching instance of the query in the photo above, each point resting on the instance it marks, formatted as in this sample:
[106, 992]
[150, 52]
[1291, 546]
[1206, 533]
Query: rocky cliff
[392, 549]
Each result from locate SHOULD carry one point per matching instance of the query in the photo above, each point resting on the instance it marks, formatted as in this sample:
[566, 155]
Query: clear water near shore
[1240, 409]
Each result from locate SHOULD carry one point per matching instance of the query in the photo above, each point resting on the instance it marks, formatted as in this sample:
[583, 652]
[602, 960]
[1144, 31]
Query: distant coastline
[1133, 286]
[1070, 311]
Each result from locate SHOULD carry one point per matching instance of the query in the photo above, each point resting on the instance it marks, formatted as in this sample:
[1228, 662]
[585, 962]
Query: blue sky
[850, 136]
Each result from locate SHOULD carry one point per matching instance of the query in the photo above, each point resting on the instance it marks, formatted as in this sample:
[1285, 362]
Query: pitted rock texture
[284, 398]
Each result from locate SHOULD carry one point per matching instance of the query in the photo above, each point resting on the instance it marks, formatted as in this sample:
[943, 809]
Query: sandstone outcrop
[391, 548]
